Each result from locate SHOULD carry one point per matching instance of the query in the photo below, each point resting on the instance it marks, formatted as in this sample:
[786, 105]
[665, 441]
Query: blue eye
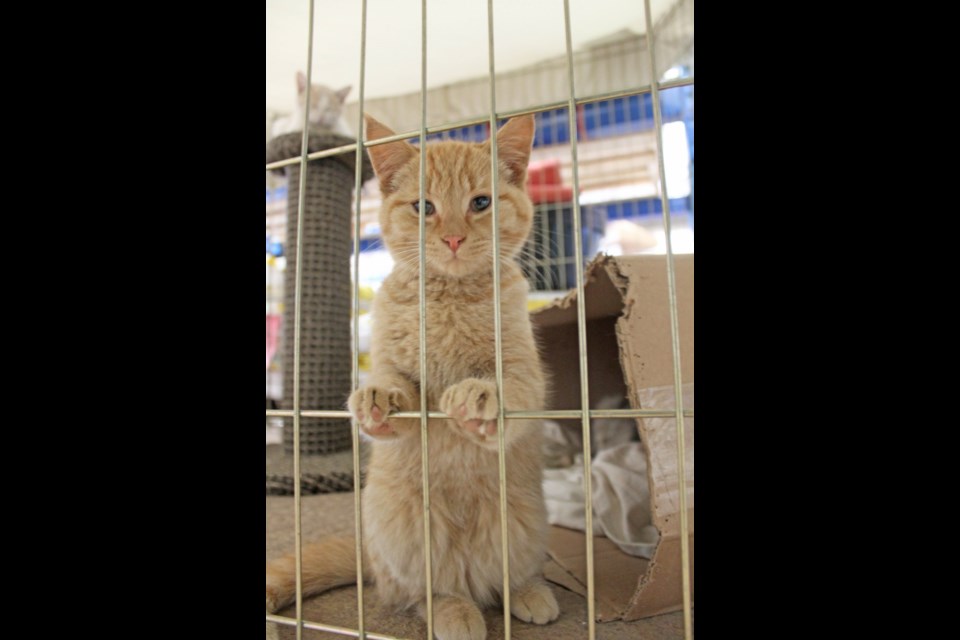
[480, 203]
[429, 207]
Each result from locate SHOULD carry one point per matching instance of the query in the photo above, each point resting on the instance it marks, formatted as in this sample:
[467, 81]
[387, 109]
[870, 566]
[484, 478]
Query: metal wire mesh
[552, 259]
[324, 303]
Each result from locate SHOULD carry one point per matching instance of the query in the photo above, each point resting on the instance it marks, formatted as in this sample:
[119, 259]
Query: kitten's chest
[459, 340]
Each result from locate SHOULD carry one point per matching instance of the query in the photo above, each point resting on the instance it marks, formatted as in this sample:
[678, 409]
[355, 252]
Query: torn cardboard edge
[628, 350]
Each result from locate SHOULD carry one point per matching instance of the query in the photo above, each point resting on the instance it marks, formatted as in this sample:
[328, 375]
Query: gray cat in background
[326, 110]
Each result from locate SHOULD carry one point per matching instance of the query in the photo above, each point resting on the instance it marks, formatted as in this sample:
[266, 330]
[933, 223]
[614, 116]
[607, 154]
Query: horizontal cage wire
[501, 115]
[552, 259]
[563, 414]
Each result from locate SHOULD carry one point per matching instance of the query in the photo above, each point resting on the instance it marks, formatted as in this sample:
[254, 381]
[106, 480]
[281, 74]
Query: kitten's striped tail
[330, 563]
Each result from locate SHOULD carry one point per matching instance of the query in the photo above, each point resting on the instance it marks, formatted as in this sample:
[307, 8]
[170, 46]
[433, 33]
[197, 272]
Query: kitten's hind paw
[536, 603]
[457, 619]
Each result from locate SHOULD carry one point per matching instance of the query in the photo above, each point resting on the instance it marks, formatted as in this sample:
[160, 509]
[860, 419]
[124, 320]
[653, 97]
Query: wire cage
[600, 157]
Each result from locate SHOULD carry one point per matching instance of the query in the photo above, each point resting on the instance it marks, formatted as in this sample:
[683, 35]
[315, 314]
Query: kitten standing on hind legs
[465, 524]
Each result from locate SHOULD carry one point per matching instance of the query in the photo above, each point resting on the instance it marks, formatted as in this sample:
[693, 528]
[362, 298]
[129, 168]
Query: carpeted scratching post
[325, 372]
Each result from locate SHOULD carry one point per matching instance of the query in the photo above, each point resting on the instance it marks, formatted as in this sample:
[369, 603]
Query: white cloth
[621, 498]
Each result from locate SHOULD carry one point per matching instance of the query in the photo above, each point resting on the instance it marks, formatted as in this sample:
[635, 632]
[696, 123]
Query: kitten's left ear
[514, 142]
[343, 93]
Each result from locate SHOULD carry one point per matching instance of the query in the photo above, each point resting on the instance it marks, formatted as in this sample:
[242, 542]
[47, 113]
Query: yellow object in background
[538, 299]
[364, 361]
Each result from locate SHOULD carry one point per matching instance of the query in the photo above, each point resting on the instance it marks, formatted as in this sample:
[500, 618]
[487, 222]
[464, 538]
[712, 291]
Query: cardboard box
[629, 351]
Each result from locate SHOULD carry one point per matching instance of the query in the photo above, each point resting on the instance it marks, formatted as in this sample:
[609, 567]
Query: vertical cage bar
[424, 443]
[581, 334]
[355, 431]
[297, 293]
[497, 329]
[674, 331]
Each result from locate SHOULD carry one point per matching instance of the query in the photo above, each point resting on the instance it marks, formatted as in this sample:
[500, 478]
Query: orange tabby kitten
[464, 489]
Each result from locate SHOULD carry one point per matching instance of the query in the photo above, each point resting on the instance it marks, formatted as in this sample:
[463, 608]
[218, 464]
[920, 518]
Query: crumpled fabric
[621, 489]
[621, 498]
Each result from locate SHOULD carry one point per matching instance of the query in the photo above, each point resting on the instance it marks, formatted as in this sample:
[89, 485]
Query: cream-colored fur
[326, 110]
[463, 459]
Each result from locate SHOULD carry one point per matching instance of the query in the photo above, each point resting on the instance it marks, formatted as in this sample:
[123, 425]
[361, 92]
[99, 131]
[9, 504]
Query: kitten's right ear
[301, 82]
[386, 158]
[514, 141]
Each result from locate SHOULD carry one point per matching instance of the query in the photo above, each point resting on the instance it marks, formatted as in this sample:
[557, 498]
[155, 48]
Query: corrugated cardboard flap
[603, 301]
[616, 572]
[632, 293]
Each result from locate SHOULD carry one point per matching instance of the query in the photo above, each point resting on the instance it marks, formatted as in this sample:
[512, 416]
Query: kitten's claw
[473, 404]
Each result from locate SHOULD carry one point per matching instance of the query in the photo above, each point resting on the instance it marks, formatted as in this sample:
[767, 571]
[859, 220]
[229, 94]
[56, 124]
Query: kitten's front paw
[473, 404]
[371, 406]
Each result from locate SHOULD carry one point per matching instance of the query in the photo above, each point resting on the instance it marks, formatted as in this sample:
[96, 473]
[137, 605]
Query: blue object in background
[278, 194]
[602, 119]
[607, 118]
[639, 208]
[274, 247]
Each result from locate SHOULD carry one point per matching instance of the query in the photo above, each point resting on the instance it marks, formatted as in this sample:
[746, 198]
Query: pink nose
[453, 241]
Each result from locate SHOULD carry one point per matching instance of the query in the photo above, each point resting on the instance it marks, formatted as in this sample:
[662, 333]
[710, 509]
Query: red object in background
[545, 184]
[545, 172]
[273, 335]
[549, 193]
